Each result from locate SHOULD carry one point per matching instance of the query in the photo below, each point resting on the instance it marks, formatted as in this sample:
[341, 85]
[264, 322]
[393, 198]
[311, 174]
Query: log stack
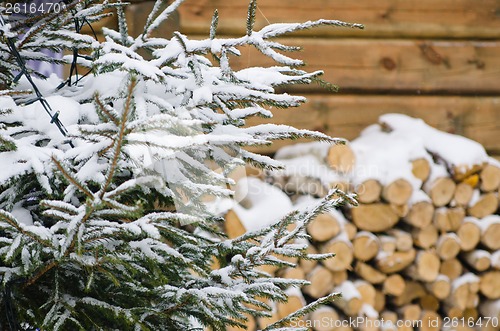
[422, 245]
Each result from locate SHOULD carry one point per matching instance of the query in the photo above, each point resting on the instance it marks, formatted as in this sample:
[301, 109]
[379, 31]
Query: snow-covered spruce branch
[132, 209]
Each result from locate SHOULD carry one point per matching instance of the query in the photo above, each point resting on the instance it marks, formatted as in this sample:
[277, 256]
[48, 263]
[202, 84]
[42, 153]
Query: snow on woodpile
[422, 244]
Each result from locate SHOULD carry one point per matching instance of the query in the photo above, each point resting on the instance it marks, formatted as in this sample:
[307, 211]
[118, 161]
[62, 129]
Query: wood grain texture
[394, 66]
[346, 116]
[384, 18]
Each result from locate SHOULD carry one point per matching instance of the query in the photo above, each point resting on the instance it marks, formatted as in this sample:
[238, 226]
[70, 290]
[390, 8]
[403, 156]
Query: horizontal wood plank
[346, 116]
[382, 18]
[394, 66]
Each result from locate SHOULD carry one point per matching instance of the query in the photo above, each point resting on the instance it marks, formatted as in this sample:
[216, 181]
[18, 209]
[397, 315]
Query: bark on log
[429, 302]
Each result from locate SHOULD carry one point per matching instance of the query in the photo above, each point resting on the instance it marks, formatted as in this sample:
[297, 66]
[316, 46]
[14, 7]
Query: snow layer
[308, 166]
[318, 149]
[386, 156]
[456, 150]
[268, 205]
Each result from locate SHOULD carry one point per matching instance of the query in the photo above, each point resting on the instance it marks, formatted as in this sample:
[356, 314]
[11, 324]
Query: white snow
[495, 260]
[464, 279]
[437, 171]
[386, 157]
[456, 150]
[418, 196]
[307, 202]
[368, 311]
[442, 278]
[348, 290]
[308, 166]
[446, 236]
[268, 205]
[319, 149]
[479, 254]
[488, 221]
[21, 214]
[35, 116]
[476, 195]
[369, 235]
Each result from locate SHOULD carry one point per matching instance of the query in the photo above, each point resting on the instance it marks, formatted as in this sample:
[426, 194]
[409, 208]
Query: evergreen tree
[104, 223]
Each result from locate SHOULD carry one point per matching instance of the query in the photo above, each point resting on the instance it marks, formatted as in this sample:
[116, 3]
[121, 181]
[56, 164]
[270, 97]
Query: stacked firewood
[423, 244]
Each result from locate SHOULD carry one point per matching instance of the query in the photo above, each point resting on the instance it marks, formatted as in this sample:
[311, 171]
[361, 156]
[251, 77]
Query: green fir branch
[252, 9]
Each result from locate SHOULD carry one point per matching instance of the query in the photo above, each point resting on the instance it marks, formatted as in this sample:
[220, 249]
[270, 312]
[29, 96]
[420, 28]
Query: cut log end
[398, 192]
[365, 246]
[321, 282]
[343, 254]
[469, 234]
[486, 205]
[420, 214]
[341, 158]
[421, 169]
[374, 217]
[369, 191]
[441, 191]
[463, 194]
[490, 178]
[324, 227]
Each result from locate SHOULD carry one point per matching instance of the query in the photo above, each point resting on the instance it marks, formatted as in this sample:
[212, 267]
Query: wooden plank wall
[434, 59]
